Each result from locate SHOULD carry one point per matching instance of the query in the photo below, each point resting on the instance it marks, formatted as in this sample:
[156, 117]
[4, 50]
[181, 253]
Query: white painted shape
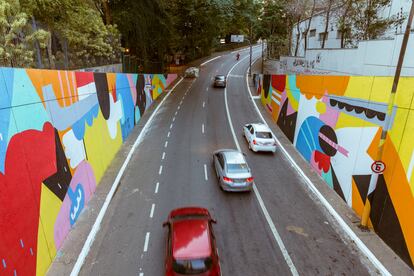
[352, 236]
[147, 237]
[86, 90]
[410, 167]
[204, 63]
[97, 224]
[307, 108]
[356, 141]
[152, 210]
[74, 149]
[114, 117]
[205, 172]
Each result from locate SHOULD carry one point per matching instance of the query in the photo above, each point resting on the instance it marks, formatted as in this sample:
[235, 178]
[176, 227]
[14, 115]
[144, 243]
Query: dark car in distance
[220, 81]
[191, 245]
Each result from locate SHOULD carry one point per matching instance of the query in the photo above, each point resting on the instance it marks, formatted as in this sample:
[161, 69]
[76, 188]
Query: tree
[329, 4]
[16, 36]
[305, 33]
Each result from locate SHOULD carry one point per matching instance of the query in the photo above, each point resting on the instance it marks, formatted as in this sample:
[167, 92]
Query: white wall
[371, 58]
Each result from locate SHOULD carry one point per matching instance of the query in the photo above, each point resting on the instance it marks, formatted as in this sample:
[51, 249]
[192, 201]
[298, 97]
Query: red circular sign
[378, 167]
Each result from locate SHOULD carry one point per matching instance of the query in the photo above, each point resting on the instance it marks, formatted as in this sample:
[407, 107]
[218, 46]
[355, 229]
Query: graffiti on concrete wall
[335, 122]
[59, 131]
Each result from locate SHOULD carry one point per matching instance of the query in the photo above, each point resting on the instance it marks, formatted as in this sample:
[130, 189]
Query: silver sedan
[232, 170]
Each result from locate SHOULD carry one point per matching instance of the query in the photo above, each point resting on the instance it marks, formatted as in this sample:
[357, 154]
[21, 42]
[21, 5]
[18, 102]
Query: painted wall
[335, 123]
[59, 131]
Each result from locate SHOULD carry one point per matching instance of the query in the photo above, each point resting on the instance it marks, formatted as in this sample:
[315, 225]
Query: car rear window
[237, 168]
[194, 266]
[264, 135]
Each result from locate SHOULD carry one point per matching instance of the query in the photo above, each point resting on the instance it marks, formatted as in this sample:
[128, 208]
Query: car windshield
[194, 266]
[237, 168]
[264, 135]
[220, 78]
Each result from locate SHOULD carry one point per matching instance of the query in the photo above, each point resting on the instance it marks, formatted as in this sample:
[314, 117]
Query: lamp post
[374, 178]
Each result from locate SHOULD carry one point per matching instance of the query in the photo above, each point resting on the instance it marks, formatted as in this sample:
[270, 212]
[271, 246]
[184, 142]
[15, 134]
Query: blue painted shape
[77, 198]
[6, 82]
[308, 140]
[292, 86]
[78, 113]
[79, 126]
[328, 177]
[128, 108]
[137, 115]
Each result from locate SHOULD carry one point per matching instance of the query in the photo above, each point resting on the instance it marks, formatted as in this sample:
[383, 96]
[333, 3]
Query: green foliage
[16, 36]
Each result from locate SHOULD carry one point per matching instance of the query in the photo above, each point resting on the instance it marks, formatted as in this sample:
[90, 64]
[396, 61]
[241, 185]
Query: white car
[192, 72]
[259, 137]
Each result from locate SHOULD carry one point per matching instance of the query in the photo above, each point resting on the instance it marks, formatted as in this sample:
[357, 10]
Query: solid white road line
[204, 63]
[147, 237]
[97, 224]
[160, 170]
[156, 187]
[269, 220]
[202, 128]
[352, 236]
[205, 172]
[163, 155]
[168, 134]
[166, 144]
[152, 210]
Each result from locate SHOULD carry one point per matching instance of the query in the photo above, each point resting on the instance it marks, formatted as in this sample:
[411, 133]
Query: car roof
[234, 157]
[191, 238]
[260, 127]
[189, 211]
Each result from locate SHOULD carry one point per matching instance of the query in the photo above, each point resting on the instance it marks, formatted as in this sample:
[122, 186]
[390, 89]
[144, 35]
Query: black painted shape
[330, 133]
[362, 183]
[336, 186]
[141, 97]
[266, 85]
[102, 90]
[287, 123]
[385, 221]
[59, 182]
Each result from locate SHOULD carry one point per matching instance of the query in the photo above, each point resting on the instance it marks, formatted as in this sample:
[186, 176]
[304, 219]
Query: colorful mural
[335, 122]
[59, 131]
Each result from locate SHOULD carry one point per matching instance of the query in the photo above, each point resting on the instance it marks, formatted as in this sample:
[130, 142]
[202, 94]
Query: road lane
[173, 168]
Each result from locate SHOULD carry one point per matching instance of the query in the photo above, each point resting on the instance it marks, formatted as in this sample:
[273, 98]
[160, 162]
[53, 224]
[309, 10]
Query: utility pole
[374, 178]
[262, 56]
[250, 42]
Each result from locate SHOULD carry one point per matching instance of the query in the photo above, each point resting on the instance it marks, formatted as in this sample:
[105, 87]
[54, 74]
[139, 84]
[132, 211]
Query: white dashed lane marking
[205, 172]
[156, 187]
[147, 237]
[160, 170]
[152, 210]
[166, 144]
[163, 156]
[168, 134]
[202, 128]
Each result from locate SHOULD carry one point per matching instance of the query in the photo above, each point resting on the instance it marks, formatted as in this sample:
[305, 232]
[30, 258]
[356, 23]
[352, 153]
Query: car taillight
[250, 179]
[254, 142]
[227, 179]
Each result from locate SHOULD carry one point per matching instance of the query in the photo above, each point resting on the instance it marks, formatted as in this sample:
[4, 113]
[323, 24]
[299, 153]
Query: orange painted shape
[358, 203]
[373, 148]
[400, 193]
[316, 86]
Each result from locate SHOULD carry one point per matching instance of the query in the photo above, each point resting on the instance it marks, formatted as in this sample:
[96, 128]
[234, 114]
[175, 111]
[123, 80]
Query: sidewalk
[375, 244]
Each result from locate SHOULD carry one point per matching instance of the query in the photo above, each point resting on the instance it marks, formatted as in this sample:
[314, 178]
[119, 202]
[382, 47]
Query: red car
[191, 246]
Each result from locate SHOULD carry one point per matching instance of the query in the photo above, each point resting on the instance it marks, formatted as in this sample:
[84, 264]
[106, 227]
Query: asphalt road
[192, 124]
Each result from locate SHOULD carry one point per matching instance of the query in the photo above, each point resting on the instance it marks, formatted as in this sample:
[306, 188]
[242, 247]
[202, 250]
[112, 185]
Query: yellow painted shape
[346, 120]
[381, 89]
[100, 147]
[321, 107]
[49, 209]
[399, 127]
[357, 203]
[158, 86]
[400, 193]
[405, 93]
[359, 87]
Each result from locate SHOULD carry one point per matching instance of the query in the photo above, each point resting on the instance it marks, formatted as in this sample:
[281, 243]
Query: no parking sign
[378, 167]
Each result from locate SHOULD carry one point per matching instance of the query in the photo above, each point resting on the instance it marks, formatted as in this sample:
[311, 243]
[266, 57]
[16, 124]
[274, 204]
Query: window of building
[312, 33]
[321, 35]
